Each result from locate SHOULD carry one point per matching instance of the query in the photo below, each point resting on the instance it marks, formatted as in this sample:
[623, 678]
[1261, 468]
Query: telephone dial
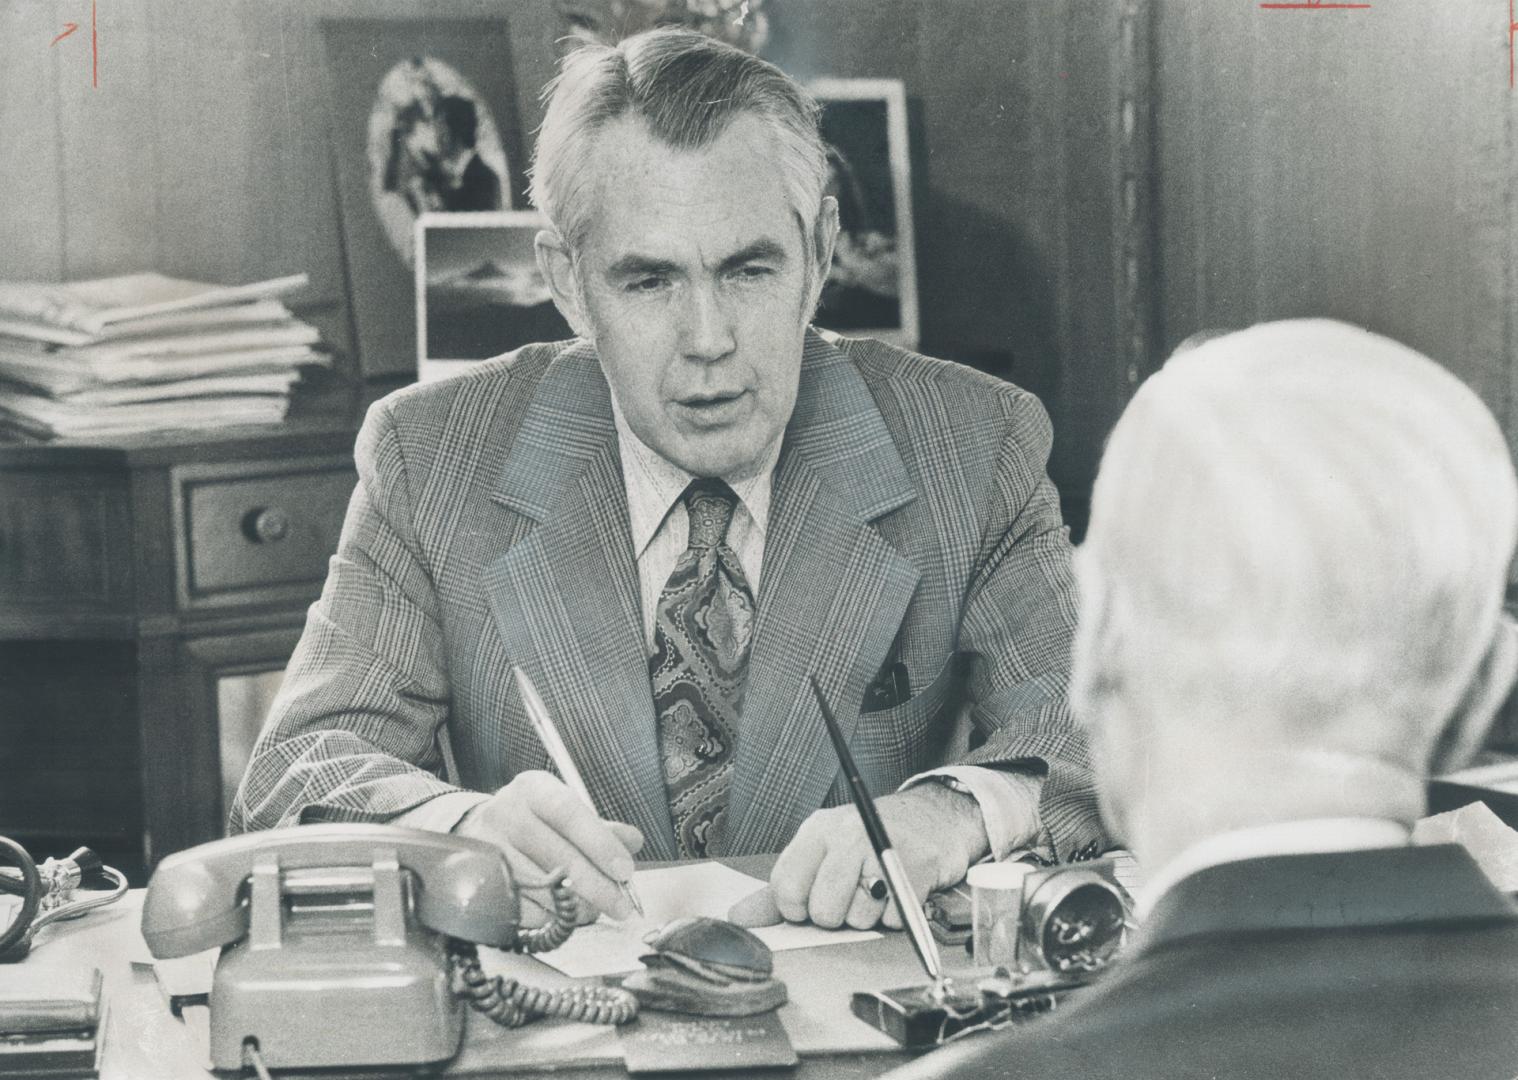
[356, 944]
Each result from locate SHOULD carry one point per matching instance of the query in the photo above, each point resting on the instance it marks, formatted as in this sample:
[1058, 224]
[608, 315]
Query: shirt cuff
[442, 813]
[1008, 802]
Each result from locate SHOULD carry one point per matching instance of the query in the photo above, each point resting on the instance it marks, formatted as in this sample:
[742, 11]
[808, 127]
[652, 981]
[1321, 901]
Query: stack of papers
[146, 353]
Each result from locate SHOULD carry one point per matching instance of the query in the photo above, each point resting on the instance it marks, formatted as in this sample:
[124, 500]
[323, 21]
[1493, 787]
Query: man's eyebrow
[634, 265]
[758, 251]
[640, 266]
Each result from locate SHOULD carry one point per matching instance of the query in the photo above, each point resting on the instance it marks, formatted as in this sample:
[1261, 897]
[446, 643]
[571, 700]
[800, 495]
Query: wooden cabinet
[134, 579]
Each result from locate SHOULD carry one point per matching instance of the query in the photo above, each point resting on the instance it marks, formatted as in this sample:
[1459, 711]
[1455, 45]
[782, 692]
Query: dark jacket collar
[1381, 887]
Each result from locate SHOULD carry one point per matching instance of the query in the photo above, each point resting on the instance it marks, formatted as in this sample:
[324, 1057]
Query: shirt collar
[654, 484]
[1313, 837]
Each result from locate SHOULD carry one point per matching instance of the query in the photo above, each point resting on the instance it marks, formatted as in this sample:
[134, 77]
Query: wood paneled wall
[1353, 164]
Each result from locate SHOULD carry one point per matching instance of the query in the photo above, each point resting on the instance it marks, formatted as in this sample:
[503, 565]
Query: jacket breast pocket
[893, 744]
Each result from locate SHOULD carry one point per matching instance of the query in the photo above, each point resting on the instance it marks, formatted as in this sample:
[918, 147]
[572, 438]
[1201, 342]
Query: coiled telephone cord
[512, 1004]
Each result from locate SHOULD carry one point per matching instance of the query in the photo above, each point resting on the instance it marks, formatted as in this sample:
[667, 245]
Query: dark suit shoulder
[1398, 1002]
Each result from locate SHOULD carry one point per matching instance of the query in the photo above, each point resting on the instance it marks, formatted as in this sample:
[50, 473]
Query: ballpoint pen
[907, 904]
[558, 753]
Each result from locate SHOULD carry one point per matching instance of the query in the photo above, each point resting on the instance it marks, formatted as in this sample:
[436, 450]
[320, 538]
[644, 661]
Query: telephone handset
[355, 944]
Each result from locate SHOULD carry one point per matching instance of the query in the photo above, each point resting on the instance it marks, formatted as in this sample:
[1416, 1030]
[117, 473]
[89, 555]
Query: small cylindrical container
[996, 903]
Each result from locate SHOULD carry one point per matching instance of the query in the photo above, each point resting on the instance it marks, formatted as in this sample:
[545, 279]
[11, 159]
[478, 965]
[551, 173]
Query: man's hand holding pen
[540, 823]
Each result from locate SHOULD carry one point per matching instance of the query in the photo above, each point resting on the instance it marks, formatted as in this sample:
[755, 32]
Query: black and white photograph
[479, 292]
[872, 286]
[920, 539]
[422, 117]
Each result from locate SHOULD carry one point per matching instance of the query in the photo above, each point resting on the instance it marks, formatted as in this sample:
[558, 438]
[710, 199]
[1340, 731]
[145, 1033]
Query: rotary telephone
[356, 944]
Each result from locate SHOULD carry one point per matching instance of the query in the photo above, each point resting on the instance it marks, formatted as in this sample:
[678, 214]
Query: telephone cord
[566, 913]
[512, 1004]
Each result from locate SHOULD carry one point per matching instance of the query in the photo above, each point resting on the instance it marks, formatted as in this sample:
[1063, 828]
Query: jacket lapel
[566, 597]
[832, 595]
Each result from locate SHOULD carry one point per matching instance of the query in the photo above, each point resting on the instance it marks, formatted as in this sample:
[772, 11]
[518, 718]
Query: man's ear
[824, 237]
[558, 270]
[1489, 688]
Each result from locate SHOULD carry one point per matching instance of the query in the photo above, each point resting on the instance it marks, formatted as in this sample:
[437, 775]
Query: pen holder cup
[996, 902]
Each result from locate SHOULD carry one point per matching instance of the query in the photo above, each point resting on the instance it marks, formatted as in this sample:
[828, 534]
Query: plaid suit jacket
[912, 522]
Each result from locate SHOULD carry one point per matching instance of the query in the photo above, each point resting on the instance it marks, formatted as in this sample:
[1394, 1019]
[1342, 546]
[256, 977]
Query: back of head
[687, 88]
[1303, 530]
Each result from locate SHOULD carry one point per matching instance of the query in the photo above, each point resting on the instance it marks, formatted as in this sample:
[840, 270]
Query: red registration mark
[69, 28]
[1512, 29]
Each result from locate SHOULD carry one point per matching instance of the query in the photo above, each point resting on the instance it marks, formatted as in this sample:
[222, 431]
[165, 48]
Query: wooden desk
[144, 1040]
[134, 577]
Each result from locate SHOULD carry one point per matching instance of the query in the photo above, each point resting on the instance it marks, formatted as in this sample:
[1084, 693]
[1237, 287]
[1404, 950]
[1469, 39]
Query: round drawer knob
[266, 524]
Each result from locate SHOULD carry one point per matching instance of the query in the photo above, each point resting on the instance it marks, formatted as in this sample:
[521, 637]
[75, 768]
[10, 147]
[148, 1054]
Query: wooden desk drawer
[254, 532]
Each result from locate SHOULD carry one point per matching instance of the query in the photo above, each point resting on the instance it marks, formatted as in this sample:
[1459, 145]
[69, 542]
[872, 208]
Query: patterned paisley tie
[699, 667]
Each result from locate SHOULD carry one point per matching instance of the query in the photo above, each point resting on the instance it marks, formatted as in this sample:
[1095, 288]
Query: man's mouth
[712, 409]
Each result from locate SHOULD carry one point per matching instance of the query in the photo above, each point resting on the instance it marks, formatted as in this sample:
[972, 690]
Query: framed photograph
[479, 292]
[872, 288]
[423, 119]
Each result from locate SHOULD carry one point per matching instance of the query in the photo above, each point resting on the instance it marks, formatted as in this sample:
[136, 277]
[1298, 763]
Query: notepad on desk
[609, 947]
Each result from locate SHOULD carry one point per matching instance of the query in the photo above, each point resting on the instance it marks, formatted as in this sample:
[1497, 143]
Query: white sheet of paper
[609, 948]
[187, 975]
[1492, 844]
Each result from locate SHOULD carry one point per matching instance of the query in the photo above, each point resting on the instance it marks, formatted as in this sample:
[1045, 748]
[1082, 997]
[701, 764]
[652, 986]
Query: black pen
[907, 904]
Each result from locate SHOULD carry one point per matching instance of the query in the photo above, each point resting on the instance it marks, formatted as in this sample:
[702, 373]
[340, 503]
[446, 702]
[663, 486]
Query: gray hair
[687, 88]
[1296, 525]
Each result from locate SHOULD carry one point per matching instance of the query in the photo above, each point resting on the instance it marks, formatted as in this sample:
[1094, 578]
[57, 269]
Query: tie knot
[710, 503]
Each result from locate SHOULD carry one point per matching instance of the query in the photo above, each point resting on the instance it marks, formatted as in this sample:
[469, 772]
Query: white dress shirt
[660, 525]
[660, 528]
[1316, 836]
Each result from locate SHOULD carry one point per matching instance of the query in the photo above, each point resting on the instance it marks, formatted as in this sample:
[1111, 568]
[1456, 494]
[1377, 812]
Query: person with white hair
[1291, 617]
[671, 521]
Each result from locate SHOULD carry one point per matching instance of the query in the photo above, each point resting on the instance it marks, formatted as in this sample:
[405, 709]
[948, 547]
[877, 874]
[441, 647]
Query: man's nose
[707, 333]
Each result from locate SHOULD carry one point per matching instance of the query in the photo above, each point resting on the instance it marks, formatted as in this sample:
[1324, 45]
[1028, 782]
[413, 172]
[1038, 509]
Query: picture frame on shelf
[479, 292]
[422, 119]
[871, 289]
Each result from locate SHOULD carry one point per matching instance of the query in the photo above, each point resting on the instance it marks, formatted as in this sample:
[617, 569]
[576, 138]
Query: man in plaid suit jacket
[905, 540]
